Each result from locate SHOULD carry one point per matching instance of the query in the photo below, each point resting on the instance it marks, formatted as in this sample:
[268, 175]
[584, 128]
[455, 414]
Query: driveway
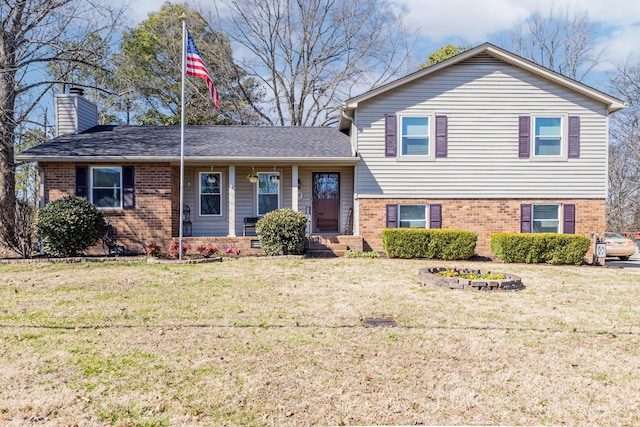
[633, 262]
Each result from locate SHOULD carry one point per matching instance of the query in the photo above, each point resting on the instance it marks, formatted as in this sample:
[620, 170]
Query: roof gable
[613, 104]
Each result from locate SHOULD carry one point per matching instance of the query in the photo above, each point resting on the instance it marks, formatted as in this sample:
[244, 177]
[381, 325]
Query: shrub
[174, 250]
[21, 238]
[361, 254]
[428, 243]
[207, 250]
[282, 232]
[532, 248]
[154, 250]
[69, 226]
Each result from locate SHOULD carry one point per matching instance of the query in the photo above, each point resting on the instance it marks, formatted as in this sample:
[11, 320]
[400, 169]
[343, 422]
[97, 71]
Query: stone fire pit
[430, 276]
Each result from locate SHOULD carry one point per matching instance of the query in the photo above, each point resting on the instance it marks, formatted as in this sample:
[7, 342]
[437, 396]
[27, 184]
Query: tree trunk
[7, 134]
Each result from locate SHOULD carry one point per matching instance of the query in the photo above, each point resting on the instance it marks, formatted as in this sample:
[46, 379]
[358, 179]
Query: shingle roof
[149, 143]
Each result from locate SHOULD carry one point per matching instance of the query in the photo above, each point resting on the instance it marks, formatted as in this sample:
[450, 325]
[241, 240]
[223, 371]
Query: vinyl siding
[482, 98]
[74, 114]
[246, 197]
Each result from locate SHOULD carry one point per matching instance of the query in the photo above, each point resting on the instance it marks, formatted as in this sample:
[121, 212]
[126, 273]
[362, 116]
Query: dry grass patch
[281, 342]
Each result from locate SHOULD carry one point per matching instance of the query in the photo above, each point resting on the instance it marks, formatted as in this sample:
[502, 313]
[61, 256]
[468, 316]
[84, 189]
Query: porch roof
[201, 143]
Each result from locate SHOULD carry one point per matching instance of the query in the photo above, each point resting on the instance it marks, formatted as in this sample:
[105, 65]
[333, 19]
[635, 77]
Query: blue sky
[441, 22]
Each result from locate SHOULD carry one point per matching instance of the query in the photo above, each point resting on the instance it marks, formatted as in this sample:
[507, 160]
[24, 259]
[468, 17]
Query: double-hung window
[210, 194]
[415, 135]
[412, 216]
[548, 137]
[268, 192]
[545, 218]
[106, 187]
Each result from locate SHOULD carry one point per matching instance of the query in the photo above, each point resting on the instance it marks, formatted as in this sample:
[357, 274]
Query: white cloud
[468, 20]
[472, 21]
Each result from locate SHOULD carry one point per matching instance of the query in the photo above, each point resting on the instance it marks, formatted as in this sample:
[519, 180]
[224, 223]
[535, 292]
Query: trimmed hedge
[282, 232]
[532, 248]
[428, 243]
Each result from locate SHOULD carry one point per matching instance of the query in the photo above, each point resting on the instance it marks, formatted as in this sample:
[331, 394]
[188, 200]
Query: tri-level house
[485, 141]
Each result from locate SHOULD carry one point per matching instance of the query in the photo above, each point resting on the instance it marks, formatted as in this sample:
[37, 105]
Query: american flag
[195, 67]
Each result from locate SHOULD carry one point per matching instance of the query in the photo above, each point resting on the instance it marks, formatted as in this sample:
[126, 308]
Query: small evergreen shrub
[428, 243]
[535, 248]
[282, 232]
[69, 226]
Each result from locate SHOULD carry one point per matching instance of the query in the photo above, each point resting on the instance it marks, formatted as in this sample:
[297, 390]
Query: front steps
[332, 246]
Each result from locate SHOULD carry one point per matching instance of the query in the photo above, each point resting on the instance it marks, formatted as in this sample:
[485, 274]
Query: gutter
[190, 159]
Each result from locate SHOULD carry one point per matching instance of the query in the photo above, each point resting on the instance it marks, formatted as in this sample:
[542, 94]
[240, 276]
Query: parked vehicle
[619, 246]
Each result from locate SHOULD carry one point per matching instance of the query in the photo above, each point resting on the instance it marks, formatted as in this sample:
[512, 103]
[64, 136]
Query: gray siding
[482, 98]
[346, 189]
[246, 197]
[205, 225]
[74, 114]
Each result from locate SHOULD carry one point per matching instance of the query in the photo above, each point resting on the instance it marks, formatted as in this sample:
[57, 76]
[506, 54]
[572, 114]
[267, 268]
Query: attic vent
[76, 91]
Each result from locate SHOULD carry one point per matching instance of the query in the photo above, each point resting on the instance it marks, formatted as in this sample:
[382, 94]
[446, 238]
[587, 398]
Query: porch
[219, 200]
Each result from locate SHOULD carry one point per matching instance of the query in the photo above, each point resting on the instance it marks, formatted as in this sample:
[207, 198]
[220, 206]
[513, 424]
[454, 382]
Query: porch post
[232, 201]
[294, 187]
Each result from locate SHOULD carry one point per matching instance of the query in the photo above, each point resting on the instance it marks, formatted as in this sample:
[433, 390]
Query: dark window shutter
[390, 141]
[525, 218]
[574, 137]
[392, 215]
[524, 137]
[569, 219]
[128, 188]
[441, 136]
[82, 181]
[435, 216]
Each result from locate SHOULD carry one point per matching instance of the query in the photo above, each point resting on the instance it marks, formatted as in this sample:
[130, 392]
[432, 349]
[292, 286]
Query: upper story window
[268, 192]
[546, 218]
[210, 193]
[548, 136]
[106, 187]
[415, 136]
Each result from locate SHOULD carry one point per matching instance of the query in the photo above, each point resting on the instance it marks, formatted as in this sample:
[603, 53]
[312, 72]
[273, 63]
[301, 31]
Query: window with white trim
[106, 187]
[268, 192]
[210, 193]
[415, 135]
[548, 136]
[412, 216]
[545, 218]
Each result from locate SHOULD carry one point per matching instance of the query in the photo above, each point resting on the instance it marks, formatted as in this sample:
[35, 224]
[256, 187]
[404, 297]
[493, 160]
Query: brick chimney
[74, 113]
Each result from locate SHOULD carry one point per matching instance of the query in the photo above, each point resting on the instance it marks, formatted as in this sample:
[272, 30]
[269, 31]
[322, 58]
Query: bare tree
[33, 35]
[563, 42]
[623, 212]
[311, 54]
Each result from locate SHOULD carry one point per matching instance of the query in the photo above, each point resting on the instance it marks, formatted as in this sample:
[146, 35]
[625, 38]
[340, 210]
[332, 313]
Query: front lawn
[281, 342]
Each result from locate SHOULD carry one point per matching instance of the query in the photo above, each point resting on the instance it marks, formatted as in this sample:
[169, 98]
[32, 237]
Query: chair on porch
[249, 226]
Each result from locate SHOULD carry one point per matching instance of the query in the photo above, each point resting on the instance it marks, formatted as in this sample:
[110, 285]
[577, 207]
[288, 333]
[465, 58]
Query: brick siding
[482, 216]
[153, 217]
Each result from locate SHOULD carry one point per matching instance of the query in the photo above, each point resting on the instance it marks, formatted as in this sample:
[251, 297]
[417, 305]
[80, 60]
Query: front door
[326, 202]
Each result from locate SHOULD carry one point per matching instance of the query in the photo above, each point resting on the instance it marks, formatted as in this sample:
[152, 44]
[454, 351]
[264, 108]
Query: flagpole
[184, 69]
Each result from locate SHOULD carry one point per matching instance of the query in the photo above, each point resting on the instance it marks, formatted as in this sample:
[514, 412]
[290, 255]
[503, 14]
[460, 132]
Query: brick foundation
[482, 216]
